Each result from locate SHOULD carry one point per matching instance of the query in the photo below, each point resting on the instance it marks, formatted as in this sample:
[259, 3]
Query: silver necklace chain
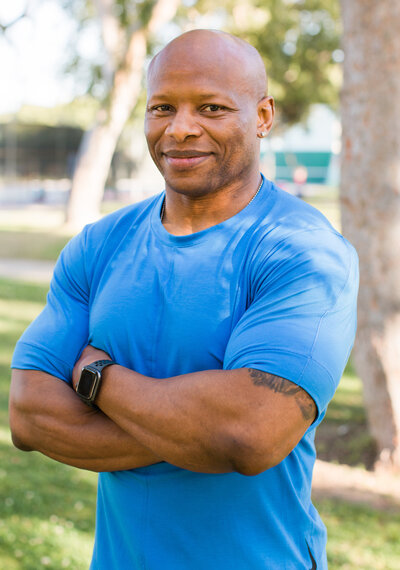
[248, 203]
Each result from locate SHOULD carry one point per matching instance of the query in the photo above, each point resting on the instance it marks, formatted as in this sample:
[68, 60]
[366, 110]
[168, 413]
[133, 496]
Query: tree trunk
[370, 203]
[98, 144]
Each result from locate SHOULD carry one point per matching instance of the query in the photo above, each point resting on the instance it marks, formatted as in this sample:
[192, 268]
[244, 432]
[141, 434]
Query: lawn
[37, 232]
[343, 436]
[361, 538]
[32, 233]
[47, 509]
[30, 244]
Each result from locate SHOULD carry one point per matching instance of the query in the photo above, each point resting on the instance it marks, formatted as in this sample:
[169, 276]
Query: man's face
[201, 122]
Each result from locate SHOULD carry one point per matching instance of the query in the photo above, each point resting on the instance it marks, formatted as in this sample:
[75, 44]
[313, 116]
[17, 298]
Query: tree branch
[112, 35]
[162, 13]
[25, 14]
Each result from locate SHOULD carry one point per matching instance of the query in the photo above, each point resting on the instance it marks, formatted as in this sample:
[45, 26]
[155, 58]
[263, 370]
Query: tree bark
[370, 204]
[98, 144]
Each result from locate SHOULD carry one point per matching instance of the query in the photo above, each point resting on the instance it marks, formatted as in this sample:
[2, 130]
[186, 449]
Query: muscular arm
[213, 421]
[47, 416]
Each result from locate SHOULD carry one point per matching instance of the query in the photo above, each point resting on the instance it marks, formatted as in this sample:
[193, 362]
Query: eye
[213, 108]
[161, 109]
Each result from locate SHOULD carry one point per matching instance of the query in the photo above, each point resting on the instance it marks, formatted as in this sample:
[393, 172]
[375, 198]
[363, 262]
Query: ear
[266, 112]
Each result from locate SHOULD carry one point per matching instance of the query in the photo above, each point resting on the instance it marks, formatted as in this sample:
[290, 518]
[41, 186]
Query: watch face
[87, 382]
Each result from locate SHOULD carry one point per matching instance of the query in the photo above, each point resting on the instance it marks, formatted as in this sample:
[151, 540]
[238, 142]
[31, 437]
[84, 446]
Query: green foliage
[299, 42]
[144, 10]
[77, 113]
[96, 75]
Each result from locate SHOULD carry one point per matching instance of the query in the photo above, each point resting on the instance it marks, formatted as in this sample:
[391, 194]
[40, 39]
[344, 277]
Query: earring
[262, 134]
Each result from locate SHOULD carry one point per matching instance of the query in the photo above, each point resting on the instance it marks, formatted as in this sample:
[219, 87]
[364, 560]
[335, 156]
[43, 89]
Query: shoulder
[118, 222]
[289, 221]
[293, 239]
[113, 226]
[285, 215]
[100, 239]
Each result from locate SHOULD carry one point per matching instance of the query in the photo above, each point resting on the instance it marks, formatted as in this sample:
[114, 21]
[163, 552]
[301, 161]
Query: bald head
[212, 51]
[207, 110]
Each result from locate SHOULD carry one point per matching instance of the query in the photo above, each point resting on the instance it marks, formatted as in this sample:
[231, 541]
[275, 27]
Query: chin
[188, 185]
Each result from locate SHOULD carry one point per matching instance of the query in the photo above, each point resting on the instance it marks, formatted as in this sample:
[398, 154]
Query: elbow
[251, 465]
[251, 457]
[19, 432]
[19, 443]
[19, 439]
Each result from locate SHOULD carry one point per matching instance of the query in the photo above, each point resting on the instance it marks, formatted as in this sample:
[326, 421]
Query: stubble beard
[210, 183]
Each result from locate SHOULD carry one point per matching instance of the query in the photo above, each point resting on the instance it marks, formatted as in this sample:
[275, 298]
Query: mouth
[182, 159]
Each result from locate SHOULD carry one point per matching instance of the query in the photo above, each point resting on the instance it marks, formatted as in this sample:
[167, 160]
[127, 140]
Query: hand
[89, 354]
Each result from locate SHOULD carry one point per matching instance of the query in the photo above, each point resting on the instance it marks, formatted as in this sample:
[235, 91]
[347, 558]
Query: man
[223, 313]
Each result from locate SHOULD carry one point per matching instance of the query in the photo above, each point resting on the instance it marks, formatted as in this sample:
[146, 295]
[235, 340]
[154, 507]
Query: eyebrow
[202, 96]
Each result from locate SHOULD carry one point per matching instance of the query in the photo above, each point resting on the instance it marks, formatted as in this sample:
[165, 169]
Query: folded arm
[47, 416]
[212, 421]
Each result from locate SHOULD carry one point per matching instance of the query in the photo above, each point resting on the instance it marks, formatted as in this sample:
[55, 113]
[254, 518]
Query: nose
[182, 125]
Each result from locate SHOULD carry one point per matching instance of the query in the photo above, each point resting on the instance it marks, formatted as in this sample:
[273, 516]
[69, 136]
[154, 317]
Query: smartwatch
[90, 381]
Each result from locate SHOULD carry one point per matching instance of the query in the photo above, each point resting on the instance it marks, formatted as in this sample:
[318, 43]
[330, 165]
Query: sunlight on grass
[15, 313]
[327, 203]
[30, 542]
[5, 436]
[26, 244]
[47, 510]
[32, 216]
[344, 437]
[39, 233]
[360, 537]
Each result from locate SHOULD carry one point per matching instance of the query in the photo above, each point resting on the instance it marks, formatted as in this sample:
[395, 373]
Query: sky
[33, 53]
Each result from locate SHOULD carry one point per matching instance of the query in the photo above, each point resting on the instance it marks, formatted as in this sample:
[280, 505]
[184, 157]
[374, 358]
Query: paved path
[33, 271]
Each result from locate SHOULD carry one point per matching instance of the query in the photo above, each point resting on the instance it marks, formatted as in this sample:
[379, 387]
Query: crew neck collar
[251, 212]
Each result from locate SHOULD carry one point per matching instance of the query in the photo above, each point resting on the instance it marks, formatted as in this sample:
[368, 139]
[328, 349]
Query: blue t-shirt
[272, 288]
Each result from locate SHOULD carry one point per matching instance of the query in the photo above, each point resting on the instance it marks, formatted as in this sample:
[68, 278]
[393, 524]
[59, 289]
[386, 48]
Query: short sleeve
[300, 323]
[54, 340]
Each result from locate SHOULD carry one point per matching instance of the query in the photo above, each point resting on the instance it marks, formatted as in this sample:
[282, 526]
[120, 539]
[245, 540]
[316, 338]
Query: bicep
[280, 412]
[300, 322]
[289, 392]
[54, 340]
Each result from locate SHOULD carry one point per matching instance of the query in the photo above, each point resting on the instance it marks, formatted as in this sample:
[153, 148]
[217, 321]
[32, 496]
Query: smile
[185, 159]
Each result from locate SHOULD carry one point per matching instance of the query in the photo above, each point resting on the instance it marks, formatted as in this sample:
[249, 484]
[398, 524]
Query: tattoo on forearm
[283, 386]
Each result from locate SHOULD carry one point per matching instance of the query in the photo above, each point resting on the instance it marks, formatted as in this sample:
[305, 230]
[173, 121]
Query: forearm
[213, 421]
[193, 421]
[47, 416]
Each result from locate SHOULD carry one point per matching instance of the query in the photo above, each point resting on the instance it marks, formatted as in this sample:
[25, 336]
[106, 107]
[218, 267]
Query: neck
[183, 214]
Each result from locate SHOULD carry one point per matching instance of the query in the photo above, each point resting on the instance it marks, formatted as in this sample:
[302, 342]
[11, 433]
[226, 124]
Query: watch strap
[101, 364]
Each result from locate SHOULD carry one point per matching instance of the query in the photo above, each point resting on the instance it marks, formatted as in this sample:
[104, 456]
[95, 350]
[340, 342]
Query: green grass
[47, 510]
[31, 244]
[359, 537]
[38, 233]
[343, 436]
[327, 201]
